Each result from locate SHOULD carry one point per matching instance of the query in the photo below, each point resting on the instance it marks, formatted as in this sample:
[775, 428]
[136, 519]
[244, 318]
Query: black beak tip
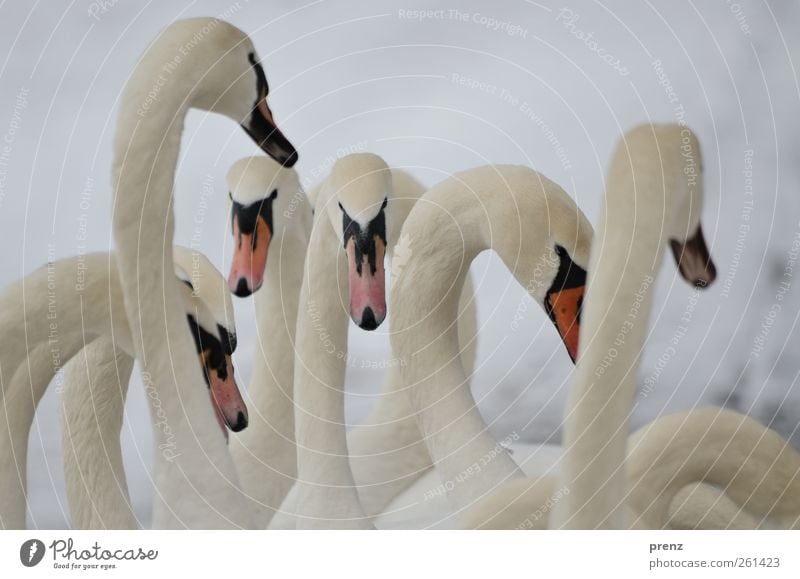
[290, 159]
[242, 290]
[368, 321]
[702, 282]
[241, 422]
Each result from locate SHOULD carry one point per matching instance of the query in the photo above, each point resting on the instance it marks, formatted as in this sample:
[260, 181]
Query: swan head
[361, 185]
[685, 230]
[210, 317]
[224, 74]
[259, 189]
[678, 187]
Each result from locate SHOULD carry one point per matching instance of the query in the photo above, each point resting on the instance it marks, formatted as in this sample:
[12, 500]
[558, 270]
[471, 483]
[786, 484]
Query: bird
[201, 63]
[543, 238]
[94, 388]
[359, 209]
[703, 468]
[59, 309]
[653, 199]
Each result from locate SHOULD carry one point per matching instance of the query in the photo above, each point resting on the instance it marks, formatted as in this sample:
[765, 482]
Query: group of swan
[314, 263]
[87, 313]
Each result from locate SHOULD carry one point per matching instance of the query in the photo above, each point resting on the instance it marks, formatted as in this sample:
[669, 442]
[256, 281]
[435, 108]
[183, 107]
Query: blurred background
[548, 85]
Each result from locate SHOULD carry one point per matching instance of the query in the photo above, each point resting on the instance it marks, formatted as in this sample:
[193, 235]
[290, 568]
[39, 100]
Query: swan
[755, 467]
[57, 308]
[671, 466]
[359, 209]
[199, 63]
[95, 385]
[270, 215]
[543, 238]
[654, 197]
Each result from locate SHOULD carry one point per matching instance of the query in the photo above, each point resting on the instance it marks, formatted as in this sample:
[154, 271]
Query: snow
[512, 82]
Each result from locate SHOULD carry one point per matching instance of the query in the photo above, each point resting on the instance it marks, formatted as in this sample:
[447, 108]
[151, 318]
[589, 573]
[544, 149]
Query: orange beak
[229, 406]
[367, 287]
[249, 258]
[564, 308]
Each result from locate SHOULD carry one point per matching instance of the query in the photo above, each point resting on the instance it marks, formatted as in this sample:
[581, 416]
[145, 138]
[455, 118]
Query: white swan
[653, 198]
[754, 466]
[58, 309]
[198, 63]
[756, 469]
[543, 238]
[358, 212]
[672, 464]
[95, 387]
[270, 216]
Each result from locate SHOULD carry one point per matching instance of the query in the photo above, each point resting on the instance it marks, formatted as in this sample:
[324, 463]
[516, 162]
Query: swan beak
[220, 419]
[225, 396]
[249, 258]
[564, 308]
[367, 283]
[262, 129]
[694, 260]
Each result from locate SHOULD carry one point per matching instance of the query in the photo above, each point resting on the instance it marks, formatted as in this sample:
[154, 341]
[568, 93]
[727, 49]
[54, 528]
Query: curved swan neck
[643, 198]
[70, 295]
[146, 149]
[512, 210]
[265, 453]
[51, 314]
[522, 216]
[326, 489]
